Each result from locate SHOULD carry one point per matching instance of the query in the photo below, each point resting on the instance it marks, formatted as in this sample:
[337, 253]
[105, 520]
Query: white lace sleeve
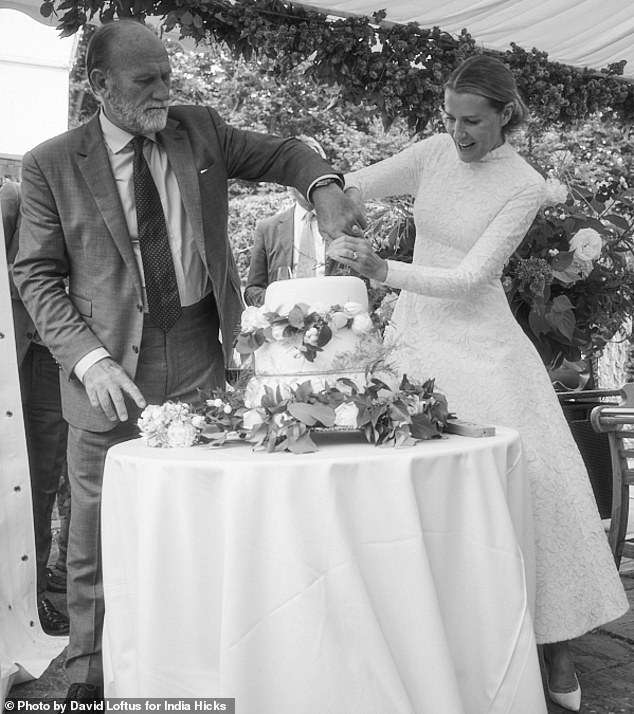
[483, 262]
[398, 175]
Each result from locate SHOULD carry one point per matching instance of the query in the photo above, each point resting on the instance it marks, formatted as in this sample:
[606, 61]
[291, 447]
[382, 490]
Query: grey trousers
[171, 366]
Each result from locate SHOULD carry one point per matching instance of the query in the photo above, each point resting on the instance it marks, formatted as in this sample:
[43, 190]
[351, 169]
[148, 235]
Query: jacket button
[135, 349]
[29, 335]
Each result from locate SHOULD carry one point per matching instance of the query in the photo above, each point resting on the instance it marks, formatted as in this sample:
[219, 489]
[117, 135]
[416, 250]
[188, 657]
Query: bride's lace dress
[452, 322]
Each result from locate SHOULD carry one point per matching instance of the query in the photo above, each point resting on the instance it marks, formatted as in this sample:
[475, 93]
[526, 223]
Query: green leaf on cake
[311, 414]
[247, 343]
[296, 317]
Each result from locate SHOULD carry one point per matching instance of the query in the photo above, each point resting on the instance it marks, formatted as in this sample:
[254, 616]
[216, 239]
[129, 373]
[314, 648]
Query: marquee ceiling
[592, 33]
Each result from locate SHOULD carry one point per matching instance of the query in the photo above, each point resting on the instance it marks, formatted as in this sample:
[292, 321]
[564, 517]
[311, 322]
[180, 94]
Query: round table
[354, 579]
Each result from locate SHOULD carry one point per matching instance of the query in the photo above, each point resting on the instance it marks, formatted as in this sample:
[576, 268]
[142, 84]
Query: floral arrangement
[570, 283]
[310, 327]
[170, 425]
[284, 422]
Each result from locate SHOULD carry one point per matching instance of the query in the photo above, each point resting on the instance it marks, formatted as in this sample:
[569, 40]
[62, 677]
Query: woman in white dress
[475, 198]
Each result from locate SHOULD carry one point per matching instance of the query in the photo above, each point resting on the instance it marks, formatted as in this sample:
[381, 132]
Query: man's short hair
[98, 50]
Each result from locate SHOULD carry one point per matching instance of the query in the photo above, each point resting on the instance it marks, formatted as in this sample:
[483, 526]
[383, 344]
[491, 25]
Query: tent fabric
[582, 33]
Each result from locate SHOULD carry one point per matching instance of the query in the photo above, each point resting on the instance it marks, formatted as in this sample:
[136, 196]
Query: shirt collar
[115, 137]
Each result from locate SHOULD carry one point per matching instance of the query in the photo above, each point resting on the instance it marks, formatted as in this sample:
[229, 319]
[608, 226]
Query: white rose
[151, 413]
[252, 419]
[346, 414]
[586, 244]
[181, 434]
[361, 323]
[338, 320]
[352, 308]
[311, 337]
[198, 422]
[253, 319]
[277, 331]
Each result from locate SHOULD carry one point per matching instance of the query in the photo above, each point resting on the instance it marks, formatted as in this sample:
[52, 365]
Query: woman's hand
[358, 254]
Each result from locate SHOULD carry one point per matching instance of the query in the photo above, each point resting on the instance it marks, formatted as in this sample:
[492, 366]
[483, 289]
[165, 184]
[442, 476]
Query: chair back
[617, 421]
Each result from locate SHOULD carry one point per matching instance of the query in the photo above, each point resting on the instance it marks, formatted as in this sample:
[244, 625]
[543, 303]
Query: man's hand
[337, 213]
[106, 384]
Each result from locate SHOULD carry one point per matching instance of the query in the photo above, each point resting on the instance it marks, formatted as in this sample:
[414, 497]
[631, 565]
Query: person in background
[286, 244]
[45, 428]
[131, 210]
[475, 198]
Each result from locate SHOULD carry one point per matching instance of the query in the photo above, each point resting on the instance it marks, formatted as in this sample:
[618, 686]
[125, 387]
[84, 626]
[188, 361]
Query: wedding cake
[308, 329]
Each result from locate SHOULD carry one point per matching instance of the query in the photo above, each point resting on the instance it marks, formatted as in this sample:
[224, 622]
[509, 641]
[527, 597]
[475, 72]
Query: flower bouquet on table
[284, 422]
[570, 283]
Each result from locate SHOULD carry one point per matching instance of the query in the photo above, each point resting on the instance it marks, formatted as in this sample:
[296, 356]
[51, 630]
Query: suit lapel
[94, 164]
[175, 140]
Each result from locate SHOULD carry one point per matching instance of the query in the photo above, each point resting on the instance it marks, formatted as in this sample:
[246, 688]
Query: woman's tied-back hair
[490, 78]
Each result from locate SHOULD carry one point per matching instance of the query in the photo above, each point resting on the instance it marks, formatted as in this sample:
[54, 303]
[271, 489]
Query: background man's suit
[74, 227]
[272, 249]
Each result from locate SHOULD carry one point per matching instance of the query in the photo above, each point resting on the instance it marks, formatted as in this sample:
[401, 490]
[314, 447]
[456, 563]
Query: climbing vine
[400, 69]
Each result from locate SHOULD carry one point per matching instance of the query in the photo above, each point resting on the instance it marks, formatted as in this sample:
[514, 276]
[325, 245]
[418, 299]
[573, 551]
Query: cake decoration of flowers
[310, 327]
[385, 415]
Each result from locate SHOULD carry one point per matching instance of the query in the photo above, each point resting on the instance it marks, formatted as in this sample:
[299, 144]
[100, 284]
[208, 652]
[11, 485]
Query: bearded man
[131, 210]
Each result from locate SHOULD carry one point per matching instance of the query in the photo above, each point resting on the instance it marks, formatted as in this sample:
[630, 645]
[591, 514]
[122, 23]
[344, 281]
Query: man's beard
[136, 119]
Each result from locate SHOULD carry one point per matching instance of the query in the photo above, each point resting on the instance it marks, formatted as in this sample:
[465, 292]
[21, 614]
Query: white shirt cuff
[88, 360]
[320, 178]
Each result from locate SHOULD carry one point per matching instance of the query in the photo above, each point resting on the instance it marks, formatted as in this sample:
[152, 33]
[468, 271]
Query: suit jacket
[22, 323]
[73, 227]
[272, 249]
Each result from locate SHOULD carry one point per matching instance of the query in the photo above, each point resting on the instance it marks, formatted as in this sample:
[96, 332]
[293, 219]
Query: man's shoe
[55, 581]
[84, 692]
[52, 620]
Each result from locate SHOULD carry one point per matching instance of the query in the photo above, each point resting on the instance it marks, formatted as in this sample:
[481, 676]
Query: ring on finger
[355, 255]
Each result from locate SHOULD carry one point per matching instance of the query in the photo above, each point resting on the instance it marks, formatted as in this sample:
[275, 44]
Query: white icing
[282, 364]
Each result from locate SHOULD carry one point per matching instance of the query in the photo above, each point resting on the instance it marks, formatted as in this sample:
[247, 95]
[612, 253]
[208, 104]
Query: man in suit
[131, 209]
[289, 241]
[44, 426]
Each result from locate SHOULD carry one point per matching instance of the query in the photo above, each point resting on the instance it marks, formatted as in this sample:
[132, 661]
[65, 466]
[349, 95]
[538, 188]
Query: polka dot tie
[158, 267]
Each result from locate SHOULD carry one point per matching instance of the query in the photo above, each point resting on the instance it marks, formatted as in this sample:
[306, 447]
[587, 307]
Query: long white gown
[452, 322]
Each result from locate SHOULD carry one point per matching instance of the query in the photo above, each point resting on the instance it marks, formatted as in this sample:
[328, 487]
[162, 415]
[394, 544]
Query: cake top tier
[328, 290]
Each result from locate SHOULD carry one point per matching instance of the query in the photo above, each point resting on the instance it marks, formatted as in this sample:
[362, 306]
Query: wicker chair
[617, 421]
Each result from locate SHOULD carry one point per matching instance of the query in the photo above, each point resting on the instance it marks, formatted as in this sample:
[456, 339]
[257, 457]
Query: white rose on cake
[361, 323]
[312, 336]
[253, 319]
[338, 320]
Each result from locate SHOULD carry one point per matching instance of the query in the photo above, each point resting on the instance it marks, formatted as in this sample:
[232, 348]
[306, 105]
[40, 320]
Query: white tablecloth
[354, 580]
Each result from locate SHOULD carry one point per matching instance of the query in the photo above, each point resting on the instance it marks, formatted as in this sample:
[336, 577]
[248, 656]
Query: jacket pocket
[83, 305]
